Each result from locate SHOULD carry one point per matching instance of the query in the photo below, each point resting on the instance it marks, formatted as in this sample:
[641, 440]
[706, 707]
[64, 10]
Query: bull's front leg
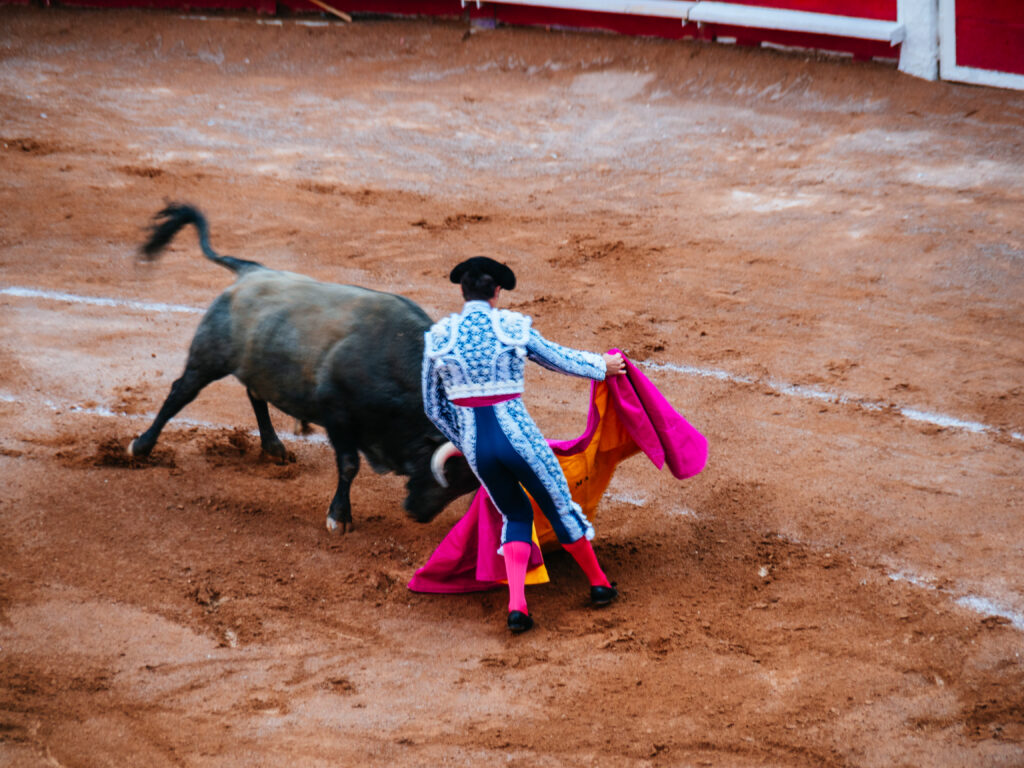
[346, 455]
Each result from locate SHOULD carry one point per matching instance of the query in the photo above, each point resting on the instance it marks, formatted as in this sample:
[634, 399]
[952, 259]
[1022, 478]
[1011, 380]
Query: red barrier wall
[534, 16]
[399, 7]
[674, 29]
[648, 26]
[864, 9]
[990, 35]
[261, 6]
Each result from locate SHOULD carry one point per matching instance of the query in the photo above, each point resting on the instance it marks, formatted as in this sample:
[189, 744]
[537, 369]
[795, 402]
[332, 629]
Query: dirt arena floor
[820, 262]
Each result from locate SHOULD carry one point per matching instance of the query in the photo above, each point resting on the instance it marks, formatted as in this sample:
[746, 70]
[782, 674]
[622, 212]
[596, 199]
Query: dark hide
[343, 357]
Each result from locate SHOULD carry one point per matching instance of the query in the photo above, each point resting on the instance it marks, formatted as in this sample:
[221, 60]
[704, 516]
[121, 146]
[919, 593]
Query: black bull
[343, 357]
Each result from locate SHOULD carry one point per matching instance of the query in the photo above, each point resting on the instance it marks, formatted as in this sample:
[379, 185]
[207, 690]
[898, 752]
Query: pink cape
[639, 419]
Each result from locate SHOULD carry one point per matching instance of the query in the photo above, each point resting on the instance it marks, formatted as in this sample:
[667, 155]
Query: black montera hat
[484, 265]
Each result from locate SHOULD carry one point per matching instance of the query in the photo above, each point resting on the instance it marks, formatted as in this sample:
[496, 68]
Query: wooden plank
[864, 50]
[797, 21]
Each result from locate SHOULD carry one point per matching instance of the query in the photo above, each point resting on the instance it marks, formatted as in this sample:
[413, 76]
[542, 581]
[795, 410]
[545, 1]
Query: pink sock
[517, 561]
[583, 554]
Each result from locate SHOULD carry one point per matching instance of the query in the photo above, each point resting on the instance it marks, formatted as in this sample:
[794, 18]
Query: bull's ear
[444, 452]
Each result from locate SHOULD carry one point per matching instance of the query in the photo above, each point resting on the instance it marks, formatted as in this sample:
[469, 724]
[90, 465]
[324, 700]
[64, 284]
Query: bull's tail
[175, 216]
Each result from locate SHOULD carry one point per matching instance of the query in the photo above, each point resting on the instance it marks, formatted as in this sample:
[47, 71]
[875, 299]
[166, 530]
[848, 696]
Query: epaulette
[440, 339]
[511, 328]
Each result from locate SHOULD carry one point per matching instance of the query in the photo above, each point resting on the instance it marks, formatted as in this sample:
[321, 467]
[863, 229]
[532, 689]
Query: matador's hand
[614, 364]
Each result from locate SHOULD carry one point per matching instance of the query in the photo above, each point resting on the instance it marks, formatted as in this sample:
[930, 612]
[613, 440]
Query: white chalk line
[260, 22]
[98, 301]
[178, 422]
[976, 603]
[979, 604]
[837, 398]
[783, 388]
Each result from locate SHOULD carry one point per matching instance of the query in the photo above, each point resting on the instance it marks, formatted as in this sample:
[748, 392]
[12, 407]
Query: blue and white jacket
[482, 352]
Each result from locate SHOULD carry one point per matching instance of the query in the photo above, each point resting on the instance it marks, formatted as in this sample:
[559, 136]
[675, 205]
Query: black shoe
[519, 621]
[603, 595]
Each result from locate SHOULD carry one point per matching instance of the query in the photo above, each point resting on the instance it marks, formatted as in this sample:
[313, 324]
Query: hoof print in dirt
[113, 453]
[339, 685]
[227, 444]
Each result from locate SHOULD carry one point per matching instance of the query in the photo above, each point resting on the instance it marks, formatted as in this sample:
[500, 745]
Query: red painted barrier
[397, 7]
[884, 10]
[260, 6]
[990, 35]
[554, 17]
[674, 29]
[646, 26]
[449, 8]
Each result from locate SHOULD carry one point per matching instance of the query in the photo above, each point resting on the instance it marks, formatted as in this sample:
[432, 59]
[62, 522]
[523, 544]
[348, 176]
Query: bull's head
[434, 487]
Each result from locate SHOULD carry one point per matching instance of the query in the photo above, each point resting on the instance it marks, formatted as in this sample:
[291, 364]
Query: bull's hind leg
[209, 358]
[271, 443]
[183, 392]
[346, 455]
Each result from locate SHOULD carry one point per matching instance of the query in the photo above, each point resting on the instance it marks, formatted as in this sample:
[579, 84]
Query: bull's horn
[444, 452]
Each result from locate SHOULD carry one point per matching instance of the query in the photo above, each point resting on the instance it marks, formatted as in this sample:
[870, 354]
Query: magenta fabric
[477, 402]
[467, 560]
[658, 429]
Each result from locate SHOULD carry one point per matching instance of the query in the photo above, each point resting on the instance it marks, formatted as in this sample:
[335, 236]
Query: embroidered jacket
[481, 352]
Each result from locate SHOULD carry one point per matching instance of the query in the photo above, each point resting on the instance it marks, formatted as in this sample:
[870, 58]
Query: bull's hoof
[335, 526]
[277, 453]
[137, 451]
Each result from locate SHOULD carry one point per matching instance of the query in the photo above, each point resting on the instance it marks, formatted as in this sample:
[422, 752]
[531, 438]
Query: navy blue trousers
[504, 474]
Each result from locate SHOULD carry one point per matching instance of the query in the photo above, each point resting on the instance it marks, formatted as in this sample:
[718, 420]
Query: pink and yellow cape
[628, 415]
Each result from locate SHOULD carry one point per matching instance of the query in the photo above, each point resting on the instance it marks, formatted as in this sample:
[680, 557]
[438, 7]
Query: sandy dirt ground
[820, 262]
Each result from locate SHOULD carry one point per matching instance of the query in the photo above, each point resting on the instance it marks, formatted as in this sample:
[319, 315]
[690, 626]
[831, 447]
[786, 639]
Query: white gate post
[919, 53]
